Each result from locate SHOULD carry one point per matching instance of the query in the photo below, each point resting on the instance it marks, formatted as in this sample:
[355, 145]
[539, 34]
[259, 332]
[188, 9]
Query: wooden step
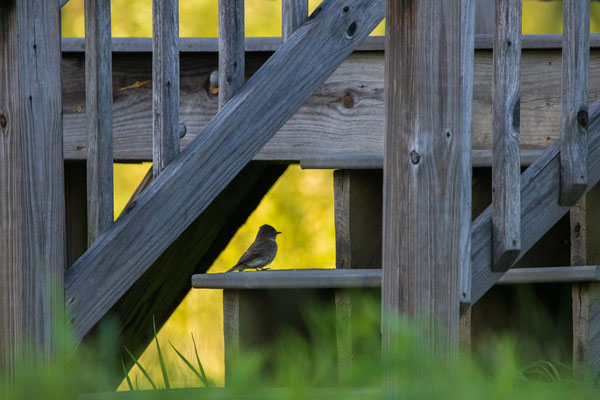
[320, 278]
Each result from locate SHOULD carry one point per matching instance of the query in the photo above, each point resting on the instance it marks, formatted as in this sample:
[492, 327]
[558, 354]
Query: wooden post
[32, 208]
[293, 13]
[231, 48]
[165, 83]
[426, 231]
[98, 98]
[574, 120]
[506, 164]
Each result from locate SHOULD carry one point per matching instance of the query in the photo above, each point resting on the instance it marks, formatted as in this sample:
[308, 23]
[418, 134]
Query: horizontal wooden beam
[189, 184]
[316, 278]
[254, 44]
[344, 117]
[540, 209]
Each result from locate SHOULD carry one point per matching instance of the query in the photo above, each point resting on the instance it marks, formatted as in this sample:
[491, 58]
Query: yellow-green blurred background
[300, 204]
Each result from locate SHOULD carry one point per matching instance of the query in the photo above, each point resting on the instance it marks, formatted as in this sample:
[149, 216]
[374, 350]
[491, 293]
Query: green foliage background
[300, 204]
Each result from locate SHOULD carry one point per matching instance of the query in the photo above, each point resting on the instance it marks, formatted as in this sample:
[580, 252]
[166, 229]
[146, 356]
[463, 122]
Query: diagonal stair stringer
[202, 170]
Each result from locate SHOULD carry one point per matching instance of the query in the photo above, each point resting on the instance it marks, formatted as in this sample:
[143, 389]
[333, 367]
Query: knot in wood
[3, 121]
[351, 30]
[582, 118]
[415, 157]
[346, 9]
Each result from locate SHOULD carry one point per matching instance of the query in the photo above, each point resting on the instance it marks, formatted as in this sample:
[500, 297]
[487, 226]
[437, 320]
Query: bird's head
[267, 231]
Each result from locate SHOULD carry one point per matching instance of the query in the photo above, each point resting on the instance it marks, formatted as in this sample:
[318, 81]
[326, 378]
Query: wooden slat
[98, 100]
[270, 44]
[231, 48]
[344, 116]
[426, 232]
[506, 168]
[574, 119]
[165, 83]
[201, 171]
[293, 13]
[32, 208]
[540, 208]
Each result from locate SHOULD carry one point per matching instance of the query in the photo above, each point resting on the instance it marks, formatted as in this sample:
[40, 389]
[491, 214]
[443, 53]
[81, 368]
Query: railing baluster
[98, 77]
[574, 121]
[231, 48]
[293, 13]
[506, 192]
[165, 83]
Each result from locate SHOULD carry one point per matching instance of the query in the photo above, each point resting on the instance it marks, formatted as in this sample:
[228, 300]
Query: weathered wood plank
[231, 330]
[426, 232]
[574, 116]
[98, 100]
[293, 13]
[231, 48]
[199, 173]
[540, 208]
[32, 208]
[506, 168]
[484, 18]
[165, 83]
[344, 116]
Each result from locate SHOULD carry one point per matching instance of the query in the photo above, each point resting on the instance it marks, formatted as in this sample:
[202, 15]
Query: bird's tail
[232, 268]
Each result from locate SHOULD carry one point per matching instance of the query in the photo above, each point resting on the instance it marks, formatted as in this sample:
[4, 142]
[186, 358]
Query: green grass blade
[163, 367]
[126, 375]
[141, 368]
[204, 379]
[189, 364]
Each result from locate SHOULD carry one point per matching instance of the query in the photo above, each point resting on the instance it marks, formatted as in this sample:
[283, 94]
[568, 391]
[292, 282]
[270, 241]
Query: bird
[261, 252]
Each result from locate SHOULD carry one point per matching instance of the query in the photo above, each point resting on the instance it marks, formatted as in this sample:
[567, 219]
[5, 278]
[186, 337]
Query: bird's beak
[277, 233]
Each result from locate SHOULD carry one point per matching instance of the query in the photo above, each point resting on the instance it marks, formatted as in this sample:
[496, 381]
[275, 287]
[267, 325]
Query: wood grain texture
[293, 13]
[198, 174]
[574, 95]
[484, 17]
[343, 116]
[540, 209]
[231, 48]
[165, 83]
[76, 210]
[426, 231]
[32, 208]
[506, 168]
[99, 117]
[231, 330]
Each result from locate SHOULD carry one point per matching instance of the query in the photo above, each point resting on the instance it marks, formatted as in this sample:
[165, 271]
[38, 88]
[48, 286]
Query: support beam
[203, 169]
[98, 100]
[574, 121]
[165, 83]
[426, 231]
[506, 114]
[32, 208]
[540, 208]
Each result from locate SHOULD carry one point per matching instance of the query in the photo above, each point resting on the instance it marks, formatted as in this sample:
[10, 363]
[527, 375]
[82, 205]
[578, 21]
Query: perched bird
[260, 253]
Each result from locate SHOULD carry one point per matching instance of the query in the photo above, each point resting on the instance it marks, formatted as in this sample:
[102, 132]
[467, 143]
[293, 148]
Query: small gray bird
[260, 253]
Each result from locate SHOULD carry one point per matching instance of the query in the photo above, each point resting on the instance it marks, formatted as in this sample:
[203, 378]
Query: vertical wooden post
[231, 79]
[484, 16]
[506, 163]
[427, 168]
[586, 296]
[574, 120]
[32, 208]
[98, 98]
[165, 83]
[293, 13]
[231, 48]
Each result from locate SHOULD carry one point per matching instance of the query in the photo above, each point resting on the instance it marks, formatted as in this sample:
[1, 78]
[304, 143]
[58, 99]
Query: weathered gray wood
[270, 44]
[98, 100]
[32, 208]
[484, 17]
[201, 171]
[344, 116]
[574, 118]
[506, 168]
[165, 83]
[231, 329]
[231, 48]
[426, 232]
[293, 13]
[540, 208]
[76, 210]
